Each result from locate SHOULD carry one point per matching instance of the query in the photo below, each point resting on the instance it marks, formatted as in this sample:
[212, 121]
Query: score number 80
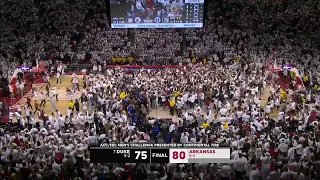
[179, 156]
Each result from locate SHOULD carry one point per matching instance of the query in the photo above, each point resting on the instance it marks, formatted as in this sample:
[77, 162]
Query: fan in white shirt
[240, 164]
[268, 109]
[58, 77]
[27, 112]
[293, 106]
[11, 115]
[228, 106]
[22, 122]
[245, 117]
[172, 128]
[277, 103]
[222, 120]
[281, 116]
[184, 137]
[81, 119]
[223, 111]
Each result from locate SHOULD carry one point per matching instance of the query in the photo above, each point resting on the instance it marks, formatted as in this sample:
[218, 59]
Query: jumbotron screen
[156, 13]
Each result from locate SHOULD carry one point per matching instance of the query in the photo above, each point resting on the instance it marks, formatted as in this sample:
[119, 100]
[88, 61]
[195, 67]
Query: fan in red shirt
[207, 102]
[272, 151]
[59, 157]
[312, 117]
[18, 142]
[150, 6]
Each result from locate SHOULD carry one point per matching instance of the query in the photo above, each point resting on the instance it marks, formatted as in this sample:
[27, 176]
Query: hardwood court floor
[160, 113]
[62, 104]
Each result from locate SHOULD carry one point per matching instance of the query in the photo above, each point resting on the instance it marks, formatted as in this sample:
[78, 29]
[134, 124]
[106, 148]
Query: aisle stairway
[132, 36]
[183, 44]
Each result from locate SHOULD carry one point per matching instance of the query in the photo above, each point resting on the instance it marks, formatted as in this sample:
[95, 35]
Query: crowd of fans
[56, 28]
[217, 100]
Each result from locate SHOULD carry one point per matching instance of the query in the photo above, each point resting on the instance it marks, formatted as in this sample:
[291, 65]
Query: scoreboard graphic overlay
[159, 153]
[156, 13]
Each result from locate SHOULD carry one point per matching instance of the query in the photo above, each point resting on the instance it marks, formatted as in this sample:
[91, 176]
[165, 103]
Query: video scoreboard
[159, 153]
[156, 13]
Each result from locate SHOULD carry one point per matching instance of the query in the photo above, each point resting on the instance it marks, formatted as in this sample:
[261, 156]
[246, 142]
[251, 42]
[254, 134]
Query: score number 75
[141, 155]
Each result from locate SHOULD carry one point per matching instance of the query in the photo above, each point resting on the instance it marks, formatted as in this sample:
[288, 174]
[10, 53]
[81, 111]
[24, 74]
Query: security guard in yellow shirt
[119, 59]
[124, 60]
[130, 59]
[204, 61]
[238, 59]
[206, 125]
[71, 105]
[114, 60]
[172, 105]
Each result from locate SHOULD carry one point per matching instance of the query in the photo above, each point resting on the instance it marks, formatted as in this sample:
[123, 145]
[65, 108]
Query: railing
[133, 68]
[144, 67]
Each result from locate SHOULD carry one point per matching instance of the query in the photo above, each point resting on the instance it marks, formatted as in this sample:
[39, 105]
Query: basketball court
[62, 103]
